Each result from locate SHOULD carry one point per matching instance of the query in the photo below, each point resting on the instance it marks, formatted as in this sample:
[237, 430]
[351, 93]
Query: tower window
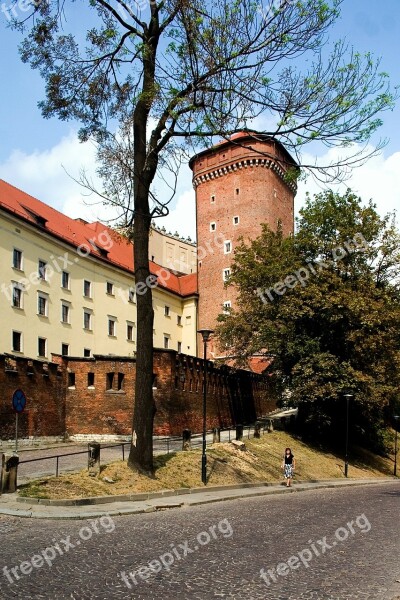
[237, 191]
[212, 199]
[227, 306]
[227, 247]
[226, 274]
[236, 220]
[213, 226]
[64, 349]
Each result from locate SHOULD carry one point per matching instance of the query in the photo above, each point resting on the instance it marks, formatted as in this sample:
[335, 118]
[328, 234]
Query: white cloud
[44, 175]
[48, 176]
[378, 179]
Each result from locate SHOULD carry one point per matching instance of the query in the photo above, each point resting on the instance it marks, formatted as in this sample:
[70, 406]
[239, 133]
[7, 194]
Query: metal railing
[161, 445]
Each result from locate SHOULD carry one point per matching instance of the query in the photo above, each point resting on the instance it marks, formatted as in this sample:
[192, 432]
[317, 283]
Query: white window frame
[130, 324]
[69, 280]
[112, 320]
[167, 311]
[42, 270]
[45, 297]
[21, 338]
[21, 266]
[20, 287]
[213, 226]
[226, 274]
[226, 306]
[236, 222]
[90, 314]
[45, 347]
[226, 242]
[67, 305]
[110, 283]
[90, 295]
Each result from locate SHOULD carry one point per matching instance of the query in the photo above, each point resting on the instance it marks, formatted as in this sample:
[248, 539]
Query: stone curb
[211, 495]
[94, 500]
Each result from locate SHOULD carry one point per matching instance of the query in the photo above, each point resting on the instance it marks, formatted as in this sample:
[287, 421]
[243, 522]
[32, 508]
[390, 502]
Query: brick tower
[239, 184]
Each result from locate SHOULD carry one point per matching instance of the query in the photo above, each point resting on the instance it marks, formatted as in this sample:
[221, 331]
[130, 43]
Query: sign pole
[16, 433]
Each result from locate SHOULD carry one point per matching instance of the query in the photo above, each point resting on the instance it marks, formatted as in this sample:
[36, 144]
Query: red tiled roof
[95, 238]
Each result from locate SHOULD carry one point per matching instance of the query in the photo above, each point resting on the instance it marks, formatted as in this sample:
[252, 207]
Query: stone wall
[94, 397]
[43, 384]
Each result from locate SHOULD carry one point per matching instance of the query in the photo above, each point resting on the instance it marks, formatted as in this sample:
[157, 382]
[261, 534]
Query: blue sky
[35, 153]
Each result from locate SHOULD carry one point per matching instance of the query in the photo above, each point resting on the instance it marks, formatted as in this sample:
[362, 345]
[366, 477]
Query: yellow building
[67, 286]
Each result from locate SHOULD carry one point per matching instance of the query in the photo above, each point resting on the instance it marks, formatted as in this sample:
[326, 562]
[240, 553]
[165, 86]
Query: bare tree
[176, 73]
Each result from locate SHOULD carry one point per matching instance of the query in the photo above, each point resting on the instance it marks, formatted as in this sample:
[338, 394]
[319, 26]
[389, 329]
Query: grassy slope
[226, 465]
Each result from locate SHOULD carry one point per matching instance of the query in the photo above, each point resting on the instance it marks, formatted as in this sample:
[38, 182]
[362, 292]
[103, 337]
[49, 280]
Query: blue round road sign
[18, 401]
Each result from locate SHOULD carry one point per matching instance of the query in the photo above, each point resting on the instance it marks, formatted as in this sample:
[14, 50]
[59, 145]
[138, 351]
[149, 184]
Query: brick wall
[44, 389]
[86, 397]
[235, 181]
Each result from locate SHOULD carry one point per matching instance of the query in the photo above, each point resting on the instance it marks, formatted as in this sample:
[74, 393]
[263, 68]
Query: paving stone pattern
[266, 532]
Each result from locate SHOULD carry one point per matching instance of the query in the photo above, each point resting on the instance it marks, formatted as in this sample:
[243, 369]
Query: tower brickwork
[240, 184]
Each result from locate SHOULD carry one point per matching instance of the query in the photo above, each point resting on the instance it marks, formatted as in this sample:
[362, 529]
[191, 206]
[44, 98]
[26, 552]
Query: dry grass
[226, 465]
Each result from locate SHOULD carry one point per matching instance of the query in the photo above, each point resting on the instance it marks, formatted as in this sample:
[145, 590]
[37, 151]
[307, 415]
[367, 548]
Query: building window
[42, 349]
[166, 341]
[64, 313]
[227, 247]
[179, 347]
[227, 306]
[111, 327]
[16, 341]
[17, 296]
[131, 295]
[86, 352]
[17, 259]
[121, 378]
[42, 305]
[166, 311]
[64, 349]
[129, 332]
[226, 274]
[212, 199]
[71, 380]
[179, 320]
[237, 191]
[213, 226]
[236, 220]
[110, 288]
[87, 289]
[65, 280]
[109, 381]
[87, 320]
[42, 266]
[90, 379]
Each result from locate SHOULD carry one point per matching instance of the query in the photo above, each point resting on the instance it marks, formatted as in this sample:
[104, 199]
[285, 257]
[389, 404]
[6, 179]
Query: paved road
[334, 544]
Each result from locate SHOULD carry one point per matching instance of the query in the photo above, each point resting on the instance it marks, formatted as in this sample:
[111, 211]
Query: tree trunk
[141, 451]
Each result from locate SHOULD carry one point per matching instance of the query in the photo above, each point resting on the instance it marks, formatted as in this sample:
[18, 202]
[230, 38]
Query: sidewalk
[85, 508]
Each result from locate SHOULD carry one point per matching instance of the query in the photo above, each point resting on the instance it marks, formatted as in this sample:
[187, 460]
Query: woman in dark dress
[288, 466]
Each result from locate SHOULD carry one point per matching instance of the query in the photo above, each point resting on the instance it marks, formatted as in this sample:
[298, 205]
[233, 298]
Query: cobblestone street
[348, 540]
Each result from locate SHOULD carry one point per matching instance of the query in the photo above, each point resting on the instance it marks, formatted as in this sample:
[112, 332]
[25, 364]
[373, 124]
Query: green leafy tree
[325, 306]
[170, 73]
